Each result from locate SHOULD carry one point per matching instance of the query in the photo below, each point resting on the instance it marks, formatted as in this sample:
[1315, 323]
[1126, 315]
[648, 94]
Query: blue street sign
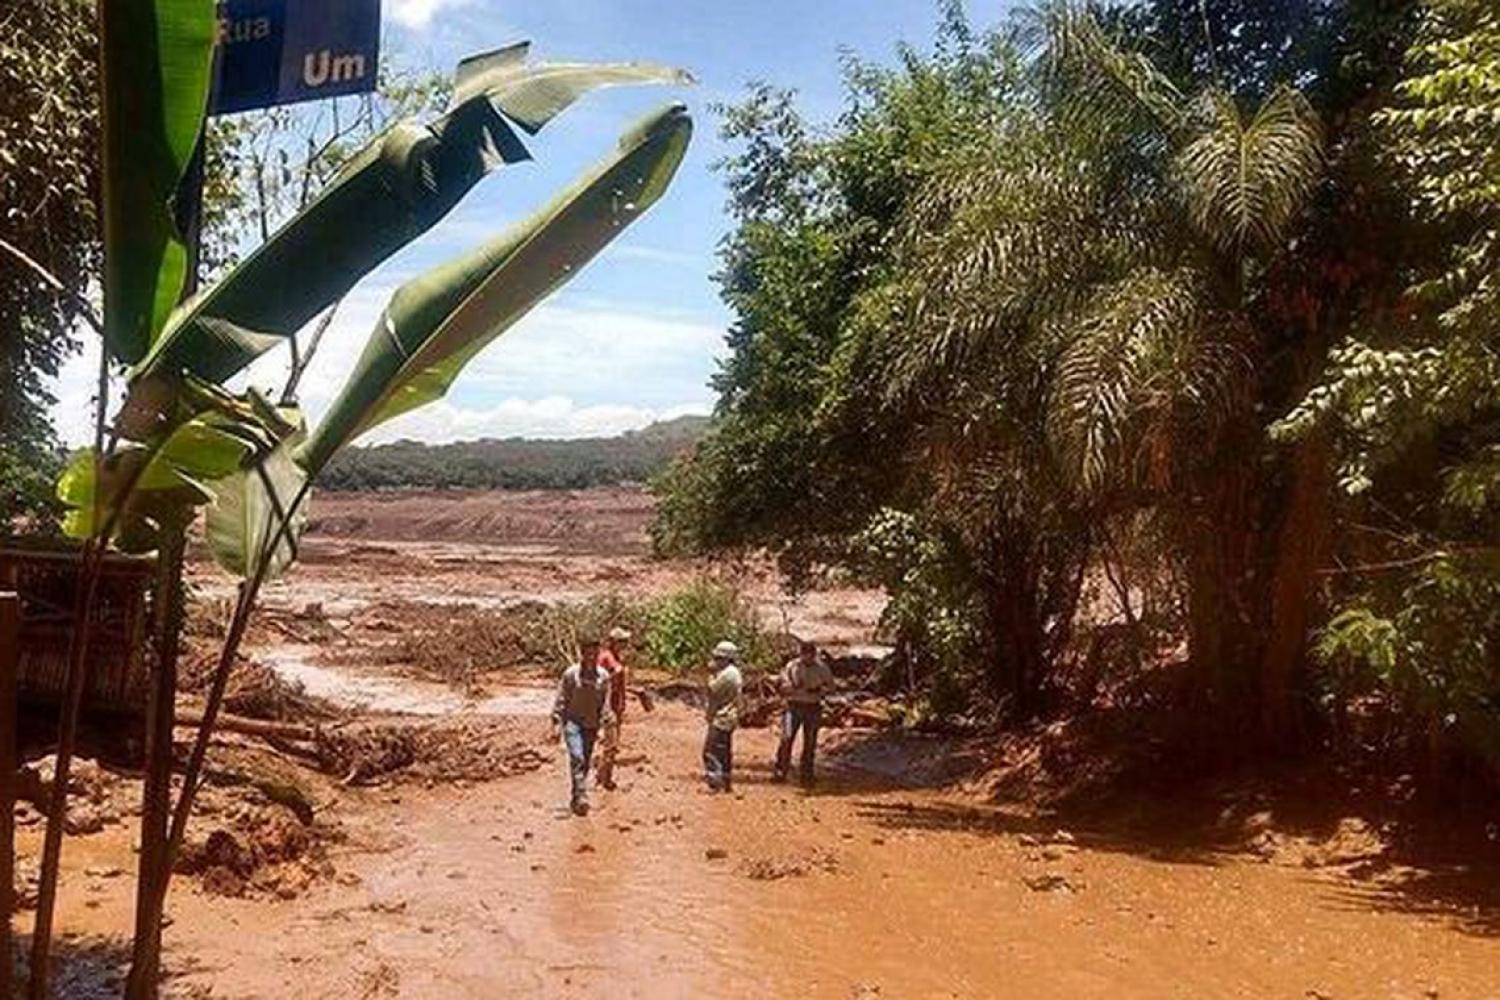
[282, 51]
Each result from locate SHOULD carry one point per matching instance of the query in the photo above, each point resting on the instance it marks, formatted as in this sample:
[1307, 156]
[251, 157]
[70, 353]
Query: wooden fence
[46, 582]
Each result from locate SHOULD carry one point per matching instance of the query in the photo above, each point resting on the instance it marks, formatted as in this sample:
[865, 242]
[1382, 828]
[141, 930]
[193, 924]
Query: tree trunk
[1016, 636]
[1300, 545]
[156, 800]
[1224, 605]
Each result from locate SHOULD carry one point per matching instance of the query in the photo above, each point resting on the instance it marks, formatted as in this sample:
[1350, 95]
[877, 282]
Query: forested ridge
[1145, 354]
[515, 463]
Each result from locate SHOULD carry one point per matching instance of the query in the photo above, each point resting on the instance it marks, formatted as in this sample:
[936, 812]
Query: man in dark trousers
[725, 685]
[581, 709]
[804, 681]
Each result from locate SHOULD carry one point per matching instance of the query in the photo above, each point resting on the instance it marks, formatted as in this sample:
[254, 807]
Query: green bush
[676, 631]
[683, 627]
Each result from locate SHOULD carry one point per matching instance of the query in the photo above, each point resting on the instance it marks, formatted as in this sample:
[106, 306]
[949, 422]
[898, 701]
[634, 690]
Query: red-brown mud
[899, 875]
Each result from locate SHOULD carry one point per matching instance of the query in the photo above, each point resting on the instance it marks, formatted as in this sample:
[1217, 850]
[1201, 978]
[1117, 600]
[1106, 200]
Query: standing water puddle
[398, 695]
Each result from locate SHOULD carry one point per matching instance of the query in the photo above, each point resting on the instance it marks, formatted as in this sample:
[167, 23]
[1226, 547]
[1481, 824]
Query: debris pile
[257, 850]
[96, 797]
[453, 643]
[435, 751]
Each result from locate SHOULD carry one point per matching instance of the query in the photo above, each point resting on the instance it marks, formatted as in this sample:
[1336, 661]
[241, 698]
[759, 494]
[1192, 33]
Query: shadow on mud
[1375, 851]
[83, 968]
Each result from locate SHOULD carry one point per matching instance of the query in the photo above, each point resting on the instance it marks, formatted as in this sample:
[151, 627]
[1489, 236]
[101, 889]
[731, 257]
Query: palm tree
[1094, 272]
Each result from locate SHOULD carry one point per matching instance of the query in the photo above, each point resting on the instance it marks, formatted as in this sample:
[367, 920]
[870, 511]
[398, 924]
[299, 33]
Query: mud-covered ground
[418, 846]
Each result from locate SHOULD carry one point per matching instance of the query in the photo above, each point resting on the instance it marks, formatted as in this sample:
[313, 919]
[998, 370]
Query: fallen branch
[252, 727]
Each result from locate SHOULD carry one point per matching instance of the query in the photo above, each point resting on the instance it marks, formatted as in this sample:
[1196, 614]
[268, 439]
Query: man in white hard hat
[611, 661]
[724, 689]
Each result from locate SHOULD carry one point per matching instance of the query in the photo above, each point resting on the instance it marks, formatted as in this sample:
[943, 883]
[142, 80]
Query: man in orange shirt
[611, 662]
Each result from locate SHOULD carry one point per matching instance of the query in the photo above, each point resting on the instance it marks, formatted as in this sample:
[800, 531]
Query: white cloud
[418, 14]
[571, 368]
[548, 417]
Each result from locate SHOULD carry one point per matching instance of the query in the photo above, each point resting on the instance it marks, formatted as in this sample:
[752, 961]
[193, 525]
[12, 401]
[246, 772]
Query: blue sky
[636, 335]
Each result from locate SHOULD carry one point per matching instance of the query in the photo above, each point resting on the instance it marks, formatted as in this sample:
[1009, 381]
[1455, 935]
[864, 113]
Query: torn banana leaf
[436, 323]
[389, 193]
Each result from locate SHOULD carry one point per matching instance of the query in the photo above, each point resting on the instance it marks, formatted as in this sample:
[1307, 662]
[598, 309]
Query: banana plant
[181, 441]
[396, 188]
[434, 325]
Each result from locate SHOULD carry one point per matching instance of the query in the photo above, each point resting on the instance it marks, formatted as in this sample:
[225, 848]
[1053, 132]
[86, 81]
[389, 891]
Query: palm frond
[1097, 83]
[1148, 360]
[991, 245]
[1244, 183]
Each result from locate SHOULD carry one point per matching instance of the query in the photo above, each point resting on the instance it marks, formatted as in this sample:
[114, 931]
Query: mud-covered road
[854, 890]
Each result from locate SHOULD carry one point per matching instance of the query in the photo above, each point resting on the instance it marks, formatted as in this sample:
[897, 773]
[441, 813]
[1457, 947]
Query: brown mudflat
[899, 875]
[858, 889]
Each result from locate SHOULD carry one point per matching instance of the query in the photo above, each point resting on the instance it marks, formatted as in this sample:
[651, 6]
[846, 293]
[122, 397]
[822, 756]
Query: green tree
[1410, 403]
[48, 191]
[1037, 292]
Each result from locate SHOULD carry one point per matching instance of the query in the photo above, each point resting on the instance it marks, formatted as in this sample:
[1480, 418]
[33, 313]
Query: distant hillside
[515, 463]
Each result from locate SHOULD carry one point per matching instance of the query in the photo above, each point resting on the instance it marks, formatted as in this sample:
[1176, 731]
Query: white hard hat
[726, 650]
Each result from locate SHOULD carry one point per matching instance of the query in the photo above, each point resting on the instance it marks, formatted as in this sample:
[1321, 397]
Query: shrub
[683, 627]
[559, 628]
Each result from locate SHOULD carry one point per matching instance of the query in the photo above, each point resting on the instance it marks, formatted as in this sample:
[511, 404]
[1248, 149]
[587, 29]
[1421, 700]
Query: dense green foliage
[1023, 334]
[48, 186]
[515, 463]
[1410, 400]
[679, 627]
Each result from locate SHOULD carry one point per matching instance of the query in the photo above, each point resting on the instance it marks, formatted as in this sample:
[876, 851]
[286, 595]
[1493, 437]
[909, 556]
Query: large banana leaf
[436, 323]
[388, 194]
[250, 504]
[156, 57]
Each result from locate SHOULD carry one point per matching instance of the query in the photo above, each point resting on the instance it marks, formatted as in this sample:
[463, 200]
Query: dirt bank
[602, 521]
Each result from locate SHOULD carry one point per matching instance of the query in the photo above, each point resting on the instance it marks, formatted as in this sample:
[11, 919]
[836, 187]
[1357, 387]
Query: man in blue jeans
[804, 682]
[581, 710]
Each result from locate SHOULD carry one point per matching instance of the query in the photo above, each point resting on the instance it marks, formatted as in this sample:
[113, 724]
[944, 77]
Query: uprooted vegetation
[429, 751]
[461, 643]
[254, 689]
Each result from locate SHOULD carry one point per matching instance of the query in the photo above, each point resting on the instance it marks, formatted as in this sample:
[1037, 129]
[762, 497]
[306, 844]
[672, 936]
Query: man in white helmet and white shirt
[724, 689]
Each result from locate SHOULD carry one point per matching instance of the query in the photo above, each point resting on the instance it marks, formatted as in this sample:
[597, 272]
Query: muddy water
[664, 891]
[385, 694]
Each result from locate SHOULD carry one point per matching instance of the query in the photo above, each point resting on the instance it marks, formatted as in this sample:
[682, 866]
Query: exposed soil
[416, 845]
[866, 886]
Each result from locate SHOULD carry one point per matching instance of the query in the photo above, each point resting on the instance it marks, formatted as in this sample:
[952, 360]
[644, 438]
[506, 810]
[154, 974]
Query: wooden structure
[118, 670]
